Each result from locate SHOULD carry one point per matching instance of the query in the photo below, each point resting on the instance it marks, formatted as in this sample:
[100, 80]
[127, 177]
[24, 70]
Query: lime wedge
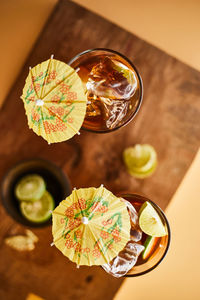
[150, 221]
[149, 244]
[140, 160]
[38, 211]
[30, 188]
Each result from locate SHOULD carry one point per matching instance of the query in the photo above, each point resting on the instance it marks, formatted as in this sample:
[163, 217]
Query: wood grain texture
[168, 119]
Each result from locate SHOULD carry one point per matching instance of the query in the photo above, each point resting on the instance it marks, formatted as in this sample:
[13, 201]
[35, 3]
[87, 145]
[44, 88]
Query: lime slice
[140, 160]
[30, 188]
[149, 244]
[142, 175]
[150, 221]
[38, 211]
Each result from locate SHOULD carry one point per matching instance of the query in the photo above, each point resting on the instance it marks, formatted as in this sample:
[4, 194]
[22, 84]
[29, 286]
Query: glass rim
[124, 194]
[132, 116]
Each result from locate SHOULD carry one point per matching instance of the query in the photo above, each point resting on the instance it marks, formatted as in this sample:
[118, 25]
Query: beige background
[174, 26]
[20, 24]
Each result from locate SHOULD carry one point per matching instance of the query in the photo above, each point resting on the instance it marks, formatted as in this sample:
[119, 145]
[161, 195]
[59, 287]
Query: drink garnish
[30, 188]
[150, 222]
[38, 211]
[149, 245]
[140, 160]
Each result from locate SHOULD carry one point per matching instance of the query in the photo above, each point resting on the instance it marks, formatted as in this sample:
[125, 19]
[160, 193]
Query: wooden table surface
[168, 120]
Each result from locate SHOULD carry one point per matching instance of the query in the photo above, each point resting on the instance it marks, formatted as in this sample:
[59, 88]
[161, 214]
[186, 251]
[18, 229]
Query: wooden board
[169, 120]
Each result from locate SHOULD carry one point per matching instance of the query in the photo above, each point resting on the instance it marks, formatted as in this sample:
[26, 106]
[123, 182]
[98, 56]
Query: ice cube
[109, 87]
[136, 232]
[125, 260]
[114, 111]
[111, 79]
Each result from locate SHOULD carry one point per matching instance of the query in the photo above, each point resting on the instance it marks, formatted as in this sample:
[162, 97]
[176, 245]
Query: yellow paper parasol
[91, 226]
[54, 101]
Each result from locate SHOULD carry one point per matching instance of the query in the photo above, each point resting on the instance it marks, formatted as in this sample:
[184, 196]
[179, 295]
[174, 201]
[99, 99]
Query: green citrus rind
[30, 188]
[38, 211]
[148, 246]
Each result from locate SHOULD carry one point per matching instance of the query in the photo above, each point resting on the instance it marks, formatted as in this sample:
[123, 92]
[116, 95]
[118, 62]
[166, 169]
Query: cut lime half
[140, 160]
[38, 211]
[150, 222]
[30, 188]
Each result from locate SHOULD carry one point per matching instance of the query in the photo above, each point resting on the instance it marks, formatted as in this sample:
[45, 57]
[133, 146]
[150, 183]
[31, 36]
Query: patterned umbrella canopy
[54, 101]
[91, 226]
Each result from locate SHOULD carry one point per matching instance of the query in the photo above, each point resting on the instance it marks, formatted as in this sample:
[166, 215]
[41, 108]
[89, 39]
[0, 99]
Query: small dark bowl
[56, 183]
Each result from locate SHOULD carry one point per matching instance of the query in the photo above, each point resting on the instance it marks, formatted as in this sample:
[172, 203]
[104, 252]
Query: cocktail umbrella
[54, 101]
[91, 226]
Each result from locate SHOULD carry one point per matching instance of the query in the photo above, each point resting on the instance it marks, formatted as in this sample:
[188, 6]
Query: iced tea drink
[113, 88]
[143, 252]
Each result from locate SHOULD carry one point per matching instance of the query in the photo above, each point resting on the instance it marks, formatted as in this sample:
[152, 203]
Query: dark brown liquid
[106, 115]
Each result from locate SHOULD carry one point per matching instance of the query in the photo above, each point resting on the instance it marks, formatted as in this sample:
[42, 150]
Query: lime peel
[141, 175]
[149, 244]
